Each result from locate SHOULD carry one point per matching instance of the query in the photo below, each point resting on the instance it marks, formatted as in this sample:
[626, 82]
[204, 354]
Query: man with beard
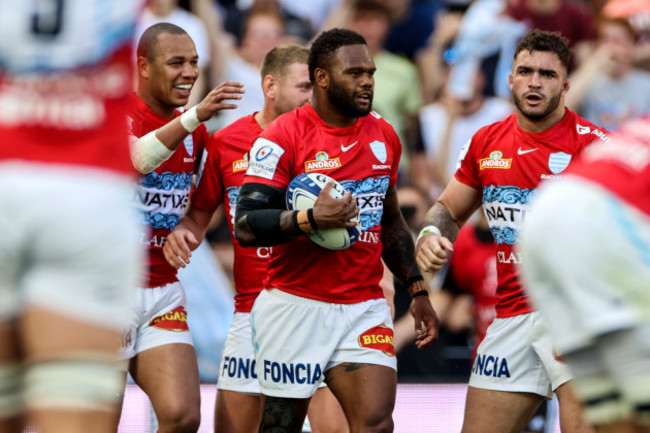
[322, 315]
[286, 85]
[515, 366]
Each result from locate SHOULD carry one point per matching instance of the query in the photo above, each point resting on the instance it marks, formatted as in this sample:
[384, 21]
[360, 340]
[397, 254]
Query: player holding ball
[323, 315]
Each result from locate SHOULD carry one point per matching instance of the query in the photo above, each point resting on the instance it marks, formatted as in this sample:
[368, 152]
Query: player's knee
[78, 384]
[376, 423]
[179, 418]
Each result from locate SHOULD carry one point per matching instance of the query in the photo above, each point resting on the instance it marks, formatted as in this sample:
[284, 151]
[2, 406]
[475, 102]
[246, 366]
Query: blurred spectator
[412, 25]
[262, 30]
[486, 32]
[448, 125]
[431, 60]
[159, 11]
[312, 12]
[571, 18]
[607, 89]
[397, 95]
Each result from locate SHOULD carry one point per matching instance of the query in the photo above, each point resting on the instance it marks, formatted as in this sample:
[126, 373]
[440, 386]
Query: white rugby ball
[302, 194]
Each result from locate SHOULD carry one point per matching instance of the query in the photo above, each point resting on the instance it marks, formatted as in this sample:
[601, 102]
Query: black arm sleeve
[257, 216]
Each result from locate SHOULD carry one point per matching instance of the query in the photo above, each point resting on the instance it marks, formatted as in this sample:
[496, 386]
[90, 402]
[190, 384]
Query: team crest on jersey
[379, 150]
[582, 130]
[495, 160]
[240, 164]
[558, 161]
[322, 162]
[189, 144]
[378, 338]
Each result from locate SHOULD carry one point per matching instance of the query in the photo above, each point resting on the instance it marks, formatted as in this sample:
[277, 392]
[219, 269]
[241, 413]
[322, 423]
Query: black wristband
[312, 220]
[294, 220]
[424, 292]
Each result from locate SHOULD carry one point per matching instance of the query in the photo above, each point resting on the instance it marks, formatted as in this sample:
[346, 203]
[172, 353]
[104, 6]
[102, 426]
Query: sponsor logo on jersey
[175, 320]
[488, 365]
[379, 150]
[264, 158]
[381, 167]
[495, 161]
[240, 164]
[558, 161]
[281, 372]
[189, 145]
[502, 257]
[322, 162]
[378, 338]
[582, 130]
[238, 367]
[263, 153]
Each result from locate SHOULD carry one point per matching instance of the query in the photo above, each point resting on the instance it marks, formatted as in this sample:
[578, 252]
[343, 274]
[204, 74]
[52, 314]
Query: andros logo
[495, 161]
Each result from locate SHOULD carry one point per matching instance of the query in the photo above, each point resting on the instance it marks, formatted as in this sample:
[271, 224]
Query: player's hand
[332, 212]
[214, 101]
[426, 321]
[433, 252]
[179, 246]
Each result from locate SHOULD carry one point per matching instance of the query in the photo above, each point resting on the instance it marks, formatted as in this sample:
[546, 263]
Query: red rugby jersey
[163, 194]
[507, 163]
[622, 164]
[221, 178]
[364, 158]
[65, 74]
[75, 117]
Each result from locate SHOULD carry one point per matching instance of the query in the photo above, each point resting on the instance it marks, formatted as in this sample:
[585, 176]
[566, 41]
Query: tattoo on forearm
[440, 217]
[281, 416]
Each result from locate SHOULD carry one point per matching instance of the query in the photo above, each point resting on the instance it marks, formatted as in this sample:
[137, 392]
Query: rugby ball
[302, 194]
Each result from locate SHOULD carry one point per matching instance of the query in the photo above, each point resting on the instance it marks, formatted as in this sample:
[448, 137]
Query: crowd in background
[442, 68]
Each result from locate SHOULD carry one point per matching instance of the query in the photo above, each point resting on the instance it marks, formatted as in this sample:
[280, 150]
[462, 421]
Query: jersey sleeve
[270, 157]
[466, 169]
[208, 194]
[397, 152]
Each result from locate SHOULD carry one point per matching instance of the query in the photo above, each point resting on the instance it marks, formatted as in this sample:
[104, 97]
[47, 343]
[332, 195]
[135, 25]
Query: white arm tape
[148, 152]
[190, 120]
[425, 231]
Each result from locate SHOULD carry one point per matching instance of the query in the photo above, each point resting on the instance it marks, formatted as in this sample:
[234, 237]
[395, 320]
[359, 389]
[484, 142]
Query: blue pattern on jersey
[504, 235]
[370, 186]
[159, 220]
[509, 194]
[167, 180]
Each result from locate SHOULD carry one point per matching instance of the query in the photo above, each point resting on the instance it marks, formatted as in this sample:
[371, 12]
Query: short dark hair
[326, 44]
[277, 61]
[149, 40]
[540, 40]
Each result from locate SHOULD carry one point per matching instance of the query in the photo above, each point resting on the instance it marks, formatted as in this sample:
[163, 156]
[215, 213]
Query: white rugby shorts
[517, 355]
[237, 368]
[587, 261]
[297, 339]
[69, 243]
[159, 318]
